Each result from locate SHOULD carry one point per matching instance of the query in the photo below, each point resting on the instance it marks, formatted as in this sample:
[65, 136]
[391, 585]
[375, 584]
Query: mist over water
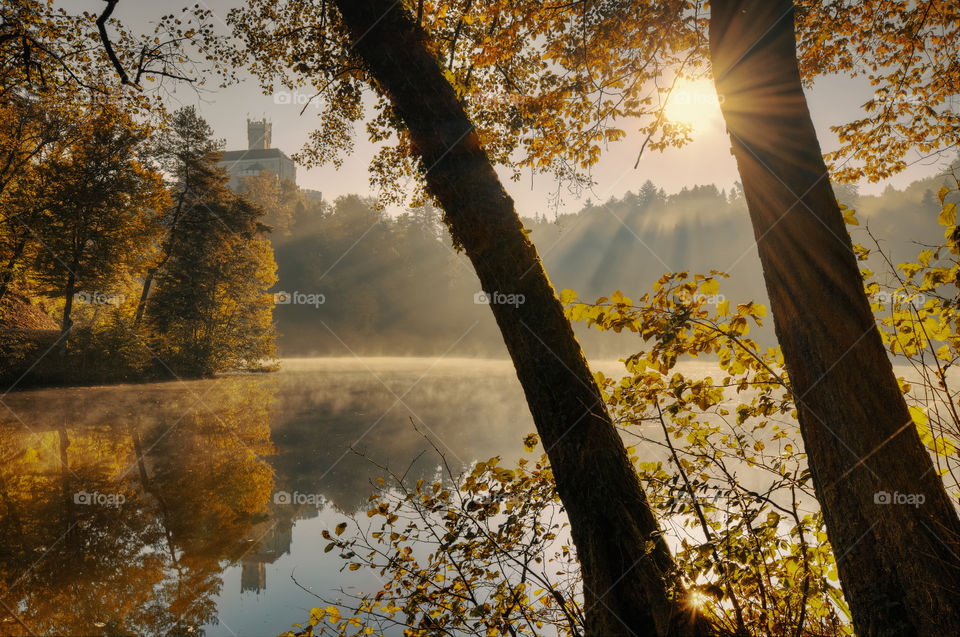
[188, 505]
[192, 505]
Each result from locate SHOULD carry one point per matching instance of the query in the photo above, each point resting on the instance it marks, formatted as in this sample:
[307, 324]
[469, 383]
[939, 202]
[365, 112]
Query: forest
[112, 274]
[713, 411]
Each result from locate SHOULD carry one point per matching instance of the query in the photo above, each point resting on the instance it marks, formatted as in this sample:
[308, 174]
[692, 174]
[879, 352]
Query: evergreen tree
[188, 152]
[211, 310]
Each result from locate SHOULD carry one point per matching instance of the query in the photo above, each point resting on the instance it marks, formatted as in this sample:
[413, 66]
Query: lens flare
[695, 103]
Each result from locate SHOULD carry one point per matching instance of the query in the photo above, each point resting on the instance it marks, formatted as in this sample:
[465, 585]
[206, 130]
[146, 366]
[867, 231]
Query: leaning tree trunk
[630, 583]
[898, 564]
[144, 295]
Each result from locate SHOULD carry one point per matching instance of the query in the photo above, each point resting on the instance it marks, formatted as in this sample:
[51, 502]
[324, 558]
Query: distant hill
[396, 286]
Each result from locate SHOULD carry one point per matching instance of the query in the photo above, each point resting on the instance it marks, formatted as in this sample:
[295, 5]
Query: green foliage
[98, 218]
[917, 305]
[731, 486]
[210, 309]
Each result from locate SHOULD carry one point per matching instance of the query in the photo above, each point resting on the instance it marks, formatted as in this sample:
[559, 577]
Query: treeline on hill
[353, 280]
[123, 255]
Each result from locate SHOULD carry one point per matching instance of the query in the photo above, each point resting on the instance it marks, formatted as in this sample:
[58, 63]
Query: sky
[832, 100]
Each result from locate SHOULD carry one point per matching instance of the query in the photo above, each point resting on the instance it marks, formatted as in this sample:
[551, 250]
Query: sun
[697, 600]
[695, 103]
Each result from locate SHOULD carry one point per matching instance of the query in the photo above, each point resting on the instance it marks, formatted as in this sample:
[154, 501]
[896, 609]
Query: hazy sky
[833, 100]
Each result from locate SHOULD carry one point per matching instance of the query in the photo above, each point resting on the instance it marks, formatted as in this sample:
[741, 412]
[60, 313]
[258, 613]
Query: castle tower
[257, 158]
[258, 134]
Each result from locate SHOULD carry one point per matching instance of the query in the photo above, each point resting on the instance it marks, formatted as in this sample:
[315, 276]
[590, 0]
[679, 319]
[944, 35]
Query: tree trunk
[630, 584]
[142, 303]
[898, 563]
[166, 250]
[67, 310]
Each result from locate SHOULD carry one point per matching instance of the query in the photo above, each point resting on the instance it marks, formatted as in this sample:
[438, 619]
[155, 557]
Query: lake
[189, 507]
[197, 507]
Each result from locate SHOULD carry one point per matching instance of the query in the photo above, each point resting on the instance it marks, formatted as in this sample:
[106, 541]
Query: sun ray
[695, 103]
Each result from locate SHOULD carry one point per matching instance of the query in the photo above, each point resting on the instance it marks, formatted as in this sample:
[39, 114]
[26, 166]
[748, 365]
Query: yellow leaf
[925, 436]
[918, 415]
[943, 193]
[567, 297]
[710, 287]
[849, 218]
[948, 215]
[530, 441]
[341, 528]
[618, 298]
[944, 447]
[723, 308]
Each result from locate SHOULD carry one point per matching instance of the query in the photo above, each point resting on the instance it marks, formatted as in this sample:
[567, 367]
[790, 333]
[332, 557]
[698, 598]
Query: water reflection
[182, 508]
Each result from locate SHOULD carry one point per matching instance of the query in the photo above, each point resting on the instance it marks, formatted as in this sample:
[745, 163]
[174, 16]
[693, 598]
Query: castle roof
[253, 153]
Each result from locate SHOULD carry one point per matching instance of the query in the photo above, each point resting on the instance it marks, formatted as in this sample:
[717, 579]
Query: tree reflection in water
[119, 519]
[200, 468]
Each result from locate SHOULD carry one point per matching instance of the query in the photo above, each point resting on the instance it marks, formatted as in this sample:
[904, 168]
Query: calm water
[188, 507]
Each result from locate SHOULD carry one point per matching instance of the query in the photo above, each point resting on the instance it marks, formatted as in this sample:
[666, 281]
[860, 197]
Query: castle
[258, 157]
